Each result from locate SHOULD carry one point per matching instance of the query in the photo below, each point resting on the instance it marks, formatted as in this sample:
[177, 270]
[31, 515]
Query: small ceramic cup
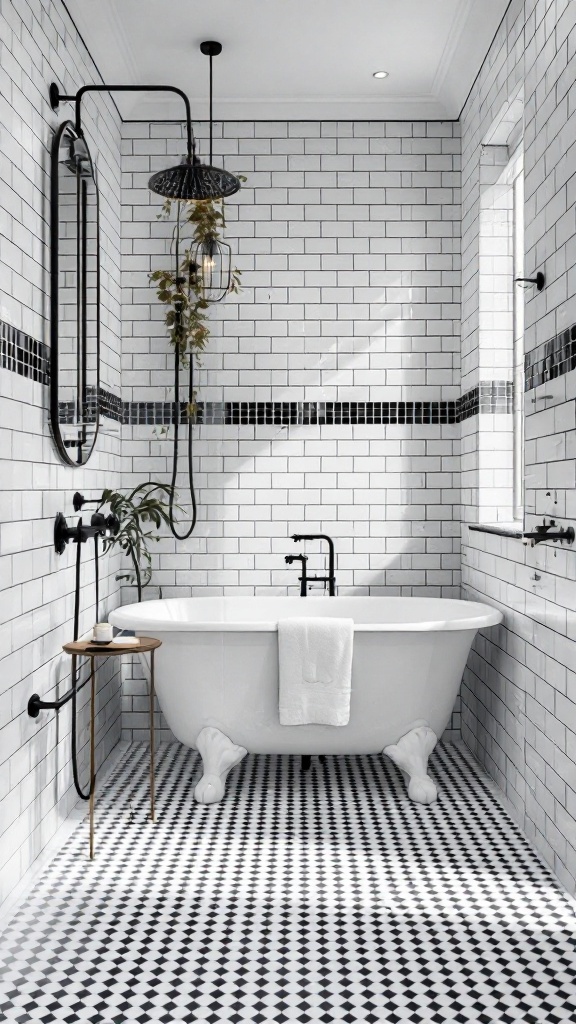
[102, 632]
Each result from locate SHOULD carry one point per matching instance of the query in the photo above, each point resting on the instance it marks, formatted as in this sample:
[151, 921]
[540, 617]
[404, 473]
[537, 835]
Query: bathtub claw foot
[411, 755]
[218, 755]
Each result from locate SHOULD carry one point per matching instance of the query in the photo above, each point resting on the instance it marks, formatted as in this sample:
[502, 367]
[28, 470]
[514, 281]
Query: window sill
[501, 530]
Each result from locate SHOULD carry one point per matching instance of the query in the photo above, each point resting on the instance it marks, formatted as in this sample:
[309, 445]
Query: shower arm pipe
[77, 100]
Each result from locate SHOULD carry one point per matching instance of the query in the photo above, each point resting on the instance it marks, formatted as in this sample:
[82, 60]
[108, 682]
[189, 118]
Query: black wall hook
[539, 280]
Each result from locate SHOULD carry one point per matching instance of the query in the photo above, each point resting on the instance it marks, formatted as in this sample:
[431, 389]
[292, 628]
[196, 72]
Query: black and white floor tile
[319, 896]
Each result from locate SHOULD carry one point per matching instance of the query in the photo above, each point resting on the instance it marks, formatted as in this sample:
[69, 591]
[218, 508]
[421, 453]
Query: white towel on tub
[315, 662]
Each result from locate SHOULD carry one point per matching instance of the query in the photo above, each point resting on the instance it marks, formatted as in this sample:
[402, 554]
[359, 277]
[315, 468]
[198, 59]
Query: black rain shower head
[193, 181]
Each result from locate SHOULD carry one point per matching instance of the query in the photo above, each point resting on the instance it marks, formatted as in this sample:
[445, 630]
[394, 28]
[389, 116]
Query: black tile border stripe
[551, 359]
[297, 413]
[328, 413]
[22, 354]
[109, 405]
[489, 397]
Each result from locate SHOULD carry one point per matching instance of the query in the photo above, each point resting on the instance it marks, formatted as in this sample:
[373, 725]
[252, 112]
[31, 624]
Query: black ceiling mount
[210, 48]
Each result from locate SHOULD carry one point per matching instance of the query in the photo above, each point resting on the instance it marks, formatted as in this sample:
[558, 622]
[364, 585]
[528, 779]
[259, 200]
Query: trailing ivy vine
[179, 288]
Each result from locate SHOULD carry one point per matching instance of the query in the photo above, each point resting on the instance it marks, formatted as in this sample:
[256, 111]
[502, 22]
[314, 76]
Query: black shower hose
[176, 413]
[176, 422]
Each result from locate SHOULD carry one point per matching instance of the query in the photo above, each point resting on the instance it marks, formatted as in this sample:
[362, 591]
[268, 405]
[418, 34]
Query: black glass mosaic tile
[297, 413]
[23, 354]
[551, 359]
[109, 404]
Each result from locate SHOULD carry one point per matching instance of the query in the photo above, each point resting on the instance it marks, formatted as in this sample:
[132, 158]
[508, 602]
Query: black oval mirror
[74, 297]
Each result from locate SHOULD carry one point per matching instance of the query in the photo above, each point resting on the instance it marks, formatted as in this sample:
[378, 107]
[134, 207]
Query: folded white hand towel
[315, 661]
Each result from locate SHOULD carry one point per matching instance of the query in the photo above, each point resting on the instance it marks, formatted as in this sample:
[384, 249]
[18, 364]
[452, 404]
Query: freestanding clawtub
[217, 677]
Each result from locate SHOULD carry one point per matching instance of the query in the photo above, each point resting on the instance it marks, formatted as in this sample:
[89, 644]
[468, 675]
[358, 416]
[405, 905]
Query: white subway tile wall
[38, 44]
[348, 239]
[519, 692]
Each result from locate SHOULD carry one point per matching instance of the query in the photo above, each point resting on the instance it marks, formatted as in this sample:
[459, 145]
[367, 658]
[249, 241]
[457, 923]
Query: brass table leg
[92, 753]
[152, 739]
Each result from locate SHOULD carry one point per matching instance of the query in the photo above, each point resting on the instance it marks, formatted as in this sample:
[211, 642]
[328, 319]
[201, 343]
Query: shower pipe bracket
[36, 704]
[539, 281]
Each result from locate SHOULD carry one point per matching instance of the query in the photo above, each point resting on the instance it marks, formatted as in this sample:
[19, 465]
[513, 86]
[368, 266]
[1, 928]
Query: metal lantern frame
[213, 259]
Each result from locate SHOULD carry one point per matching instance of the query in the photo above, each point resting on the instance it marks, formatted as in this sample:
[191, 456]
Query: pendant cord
[210, 110]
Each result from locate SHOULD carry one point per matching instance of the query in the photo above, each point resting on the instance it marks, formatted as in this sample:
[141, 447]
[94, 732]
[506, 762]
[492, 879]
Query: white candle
[102, 631]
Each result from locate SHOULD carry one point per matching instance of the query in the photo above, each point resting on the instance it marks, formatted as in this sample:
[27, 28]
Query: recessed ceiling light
[380, 74]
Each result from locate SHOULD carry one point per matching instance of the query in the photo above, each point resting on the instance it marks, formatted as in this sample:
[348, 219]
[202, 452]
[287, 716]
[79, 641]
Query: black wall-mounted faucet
[303, 579]
[99, 526]
[330, 579]
[546, 531]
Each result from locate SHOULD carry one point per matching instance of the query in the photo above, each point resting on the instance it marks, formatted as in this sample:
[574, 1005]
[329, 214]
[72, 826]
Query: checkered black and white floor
[324, 896]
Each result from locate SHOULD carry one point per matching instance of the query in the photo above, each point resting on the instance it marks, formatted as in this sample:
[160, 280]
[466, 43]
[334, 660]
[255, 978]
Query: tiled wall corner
[519, 697]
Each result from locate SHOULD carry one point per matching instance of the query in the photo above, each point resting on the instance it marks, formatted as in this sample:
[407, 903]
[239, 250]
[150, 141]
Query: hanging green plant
[181, 288]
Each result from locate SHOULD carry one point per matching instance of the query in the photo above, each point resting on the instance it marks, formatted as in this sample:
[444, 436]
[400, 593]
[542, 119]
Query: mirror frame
[63, 451]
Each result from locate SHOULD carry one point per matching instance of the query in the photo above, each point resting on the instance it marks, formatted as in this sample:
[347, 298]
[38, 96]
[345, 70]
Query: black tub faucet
[303, 579]
[330, 579]
[549, 531]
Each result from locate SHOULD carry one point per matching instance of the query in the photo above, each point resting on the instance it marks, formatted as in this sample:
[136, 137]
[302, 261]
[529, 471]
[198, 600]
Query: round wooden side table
[88, 649]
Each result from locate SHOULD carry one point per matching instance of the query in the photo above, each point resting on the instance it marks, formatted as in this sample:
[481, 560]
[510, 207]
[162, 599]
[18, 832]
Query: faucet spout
[330, 579]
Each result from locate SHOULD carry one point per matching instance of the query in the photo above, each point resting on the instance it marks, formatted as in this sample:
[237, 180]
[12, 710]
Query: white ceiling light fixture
[379, 74]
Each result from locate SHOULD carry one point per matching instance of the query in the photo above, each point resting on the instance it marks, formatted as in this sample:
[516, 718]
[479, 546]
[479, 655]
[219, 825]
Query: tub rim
[479, 616]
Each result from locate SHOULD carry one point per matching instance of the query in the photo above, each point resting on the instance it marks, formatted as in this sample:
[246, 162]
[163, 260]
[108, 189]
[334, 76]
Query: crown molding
[461, 17]
[473, 29]
[409, 108]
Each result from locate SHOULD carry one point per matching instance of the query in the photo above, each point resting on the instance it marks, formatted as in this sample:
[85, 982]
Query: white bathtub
[217, 675]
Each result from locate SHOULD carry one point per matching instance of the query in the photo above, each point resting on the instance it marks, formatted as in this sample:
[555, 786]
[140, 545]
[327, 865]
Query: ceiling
[293, 59]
